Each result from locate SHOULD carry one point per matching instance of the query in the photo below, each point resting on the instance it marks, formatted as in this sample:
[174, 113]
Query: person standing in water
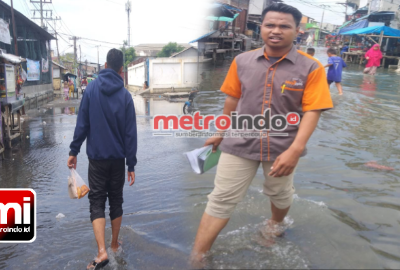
[336, 65]
[107, 120]
[373, 56]
[279, 79]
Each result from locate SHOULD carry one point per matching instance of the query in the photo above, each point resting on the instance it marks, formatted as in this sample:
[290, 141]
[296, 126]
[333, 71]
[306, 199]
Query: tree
[130, 54]
[170, 49]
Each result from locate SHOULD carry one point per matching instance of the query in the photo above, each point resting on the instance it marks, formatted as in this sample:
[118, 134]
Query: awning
[221, 19]
[357, 25]
[203, 36]
[219, 10]
[12, 58]
[387, 31]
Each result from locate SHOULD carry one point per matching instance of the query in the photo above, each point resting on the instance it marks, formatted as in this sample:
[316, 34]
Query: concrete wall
[137, 75]
[33, 90]
[173, 72]
[166, 74]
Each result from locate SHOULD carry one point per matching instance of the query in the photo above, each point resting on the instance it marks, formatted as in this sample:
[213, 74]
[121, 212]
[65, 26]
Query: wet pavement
[345, 214]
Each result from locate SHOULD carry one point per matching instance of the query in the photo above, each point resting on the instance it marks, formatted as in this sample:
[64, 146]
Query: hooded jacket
[107, 119]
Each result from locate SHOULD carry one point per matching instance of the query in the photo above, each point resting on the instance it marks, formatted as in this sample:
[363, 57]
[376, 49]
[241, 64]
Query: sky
[333, 14]
[152, 21]
[105, 23]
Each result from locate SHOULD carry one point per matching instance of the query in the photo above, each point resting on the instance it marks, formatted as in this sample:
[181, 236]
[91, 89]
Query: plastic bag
[77, 188]
[24, 76]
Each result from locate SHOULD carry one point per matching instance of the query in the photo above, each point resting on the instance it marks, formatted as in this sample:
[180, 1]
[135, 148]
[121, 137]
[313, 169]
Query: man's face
[278, 30]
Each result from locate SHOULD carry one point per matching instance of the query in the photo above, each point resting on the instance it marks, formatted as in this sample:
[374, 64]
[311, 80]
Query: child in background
[311, 51]
[66, 90]
[335, 64]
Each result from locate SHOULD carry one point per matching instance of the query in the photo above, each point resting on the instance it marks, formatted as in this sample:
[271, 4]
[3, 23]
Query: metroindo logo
[235, 122]
[17, 215]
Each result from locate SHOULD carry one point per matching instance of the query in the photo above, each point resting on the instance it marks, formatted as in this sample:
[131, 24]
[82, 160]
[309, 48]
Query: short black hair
[115, 59]
[331, 51]
[283, 8]
[310, 50]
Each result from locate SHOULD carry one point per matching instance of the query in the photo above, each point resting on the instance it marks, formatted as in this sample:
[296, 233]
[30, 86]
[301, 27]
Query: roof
[12, 58]
[203, 36]
[57, 64]
[387, 31]
[358, 25]
[222, 19]
[175, 54]
[20, 20]
[157, 46]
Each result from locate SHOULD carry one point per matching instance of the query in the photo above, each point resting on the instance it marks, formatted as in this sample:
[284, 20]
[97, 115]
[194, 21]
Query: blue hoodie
[107, 119]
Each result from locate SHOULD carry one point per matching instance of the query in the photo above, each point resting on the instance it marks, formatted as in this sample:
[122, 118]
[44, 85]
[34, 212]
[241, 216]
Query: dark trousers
[106, 179]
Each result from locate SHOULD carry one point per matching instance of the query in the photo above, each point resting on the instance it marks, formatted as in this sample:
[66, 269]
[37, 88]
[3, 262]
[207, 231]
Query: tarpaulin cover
[357, 25]
[387, 31]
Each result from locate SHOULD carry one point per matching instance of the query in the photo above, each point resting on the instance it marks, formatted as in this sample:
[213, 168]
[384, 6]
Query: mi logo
[17, 215]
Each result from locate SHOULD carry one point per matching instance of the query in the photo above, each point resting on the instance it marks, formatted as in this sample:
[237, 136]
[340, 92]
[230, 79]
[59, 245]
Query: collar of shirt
[291, 55]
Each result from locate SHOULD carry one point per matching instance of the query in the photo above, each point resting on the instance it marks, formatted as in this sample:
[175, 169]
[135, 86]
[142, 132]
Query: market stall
[386, 37]
[11, 97]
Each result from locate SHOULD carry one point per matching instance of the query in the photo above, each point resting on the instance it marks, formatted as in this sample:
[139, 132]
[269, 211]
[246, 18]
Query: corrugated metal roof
[175, 54]
[57, 64]
[203, 36]
[20, 19]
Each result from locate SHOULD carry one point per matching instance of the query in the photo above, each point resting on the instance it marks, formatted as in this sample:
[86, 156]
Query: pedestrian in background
[373, 56]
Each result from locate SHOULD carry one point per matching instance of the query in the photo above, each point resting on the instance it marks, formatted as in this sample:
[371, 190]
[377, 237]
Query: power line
[120, 44]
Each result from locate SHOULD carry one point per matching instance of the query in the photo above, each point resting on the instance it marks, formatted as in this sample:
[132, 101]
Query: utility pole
[128, 10]
[75, 49]
[323, 12]
[41, 3]
[55, 32]
[14, 31]
[98, 60]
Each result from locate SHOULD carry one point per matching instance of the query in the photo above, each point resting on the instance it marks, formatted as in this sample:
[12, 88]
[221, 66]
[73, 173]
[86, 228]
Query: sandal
[98, 265]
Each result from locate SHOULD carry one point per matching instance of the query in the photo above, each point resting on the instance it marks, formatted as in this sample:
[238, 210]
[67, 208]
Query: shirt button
[271, 69]
[266, 102]
[268, 85]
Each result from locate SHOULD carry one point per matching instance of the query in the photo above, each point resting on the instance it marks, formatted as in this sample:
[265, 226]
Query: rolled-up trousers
[106, 180]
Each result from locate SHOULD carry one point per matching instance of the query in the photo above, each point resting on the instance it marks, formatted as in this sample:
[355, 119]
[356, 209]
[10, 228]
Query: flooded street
[345, 214]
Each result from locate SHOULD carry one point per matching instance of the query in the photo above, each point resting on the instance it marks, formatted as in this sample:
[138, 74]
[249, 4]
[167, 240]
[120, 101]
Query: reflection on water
[345, 214]
[150, 106]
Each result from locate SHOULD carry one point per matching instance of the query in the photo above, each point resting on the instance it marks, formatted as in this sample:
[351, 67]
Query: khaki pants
[233, 178]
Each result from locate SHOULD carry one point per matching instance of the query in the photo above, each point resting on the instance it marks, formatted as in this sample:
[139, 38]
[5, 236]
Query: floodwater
[345, 214]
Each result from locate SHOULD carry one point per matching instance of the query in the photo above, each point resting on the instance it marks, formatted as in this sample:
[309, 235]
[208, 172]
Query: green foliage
[69, 57]
[170, 49]
[130, 54]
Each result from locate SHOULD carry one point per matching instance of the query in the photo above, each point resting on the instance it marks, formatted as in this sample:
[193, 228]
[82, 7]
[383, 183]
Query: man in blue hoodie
[107, 120]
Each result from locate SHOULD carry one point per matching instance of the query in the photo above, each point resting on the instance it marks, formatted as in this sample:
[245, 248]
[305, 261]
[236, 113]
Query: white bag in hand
[77, 188]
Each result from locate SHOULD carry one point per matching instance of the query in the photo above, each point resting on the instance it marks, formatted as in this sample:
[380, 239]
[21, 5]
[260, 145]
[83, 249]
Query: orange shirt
[296, 83]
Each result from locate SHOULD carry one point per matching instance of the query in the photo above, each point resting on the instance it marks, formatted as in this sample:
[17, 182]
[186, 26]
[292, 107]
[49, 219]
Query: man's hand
[131, 178]
[285, 163]
[72, 162]
[214, 141]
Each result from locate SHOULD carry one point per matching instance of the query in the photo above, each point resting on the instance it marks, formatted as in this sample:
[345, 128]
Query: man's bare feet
[115, 249]
[272, 229]
[101, 256]
[197, 261]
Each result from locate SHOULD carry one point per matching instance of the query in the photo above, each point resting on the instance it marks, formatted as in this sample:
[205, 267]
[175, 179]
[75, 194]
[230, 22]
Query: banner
[45, 65]
[33, 70]
[5, 32]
